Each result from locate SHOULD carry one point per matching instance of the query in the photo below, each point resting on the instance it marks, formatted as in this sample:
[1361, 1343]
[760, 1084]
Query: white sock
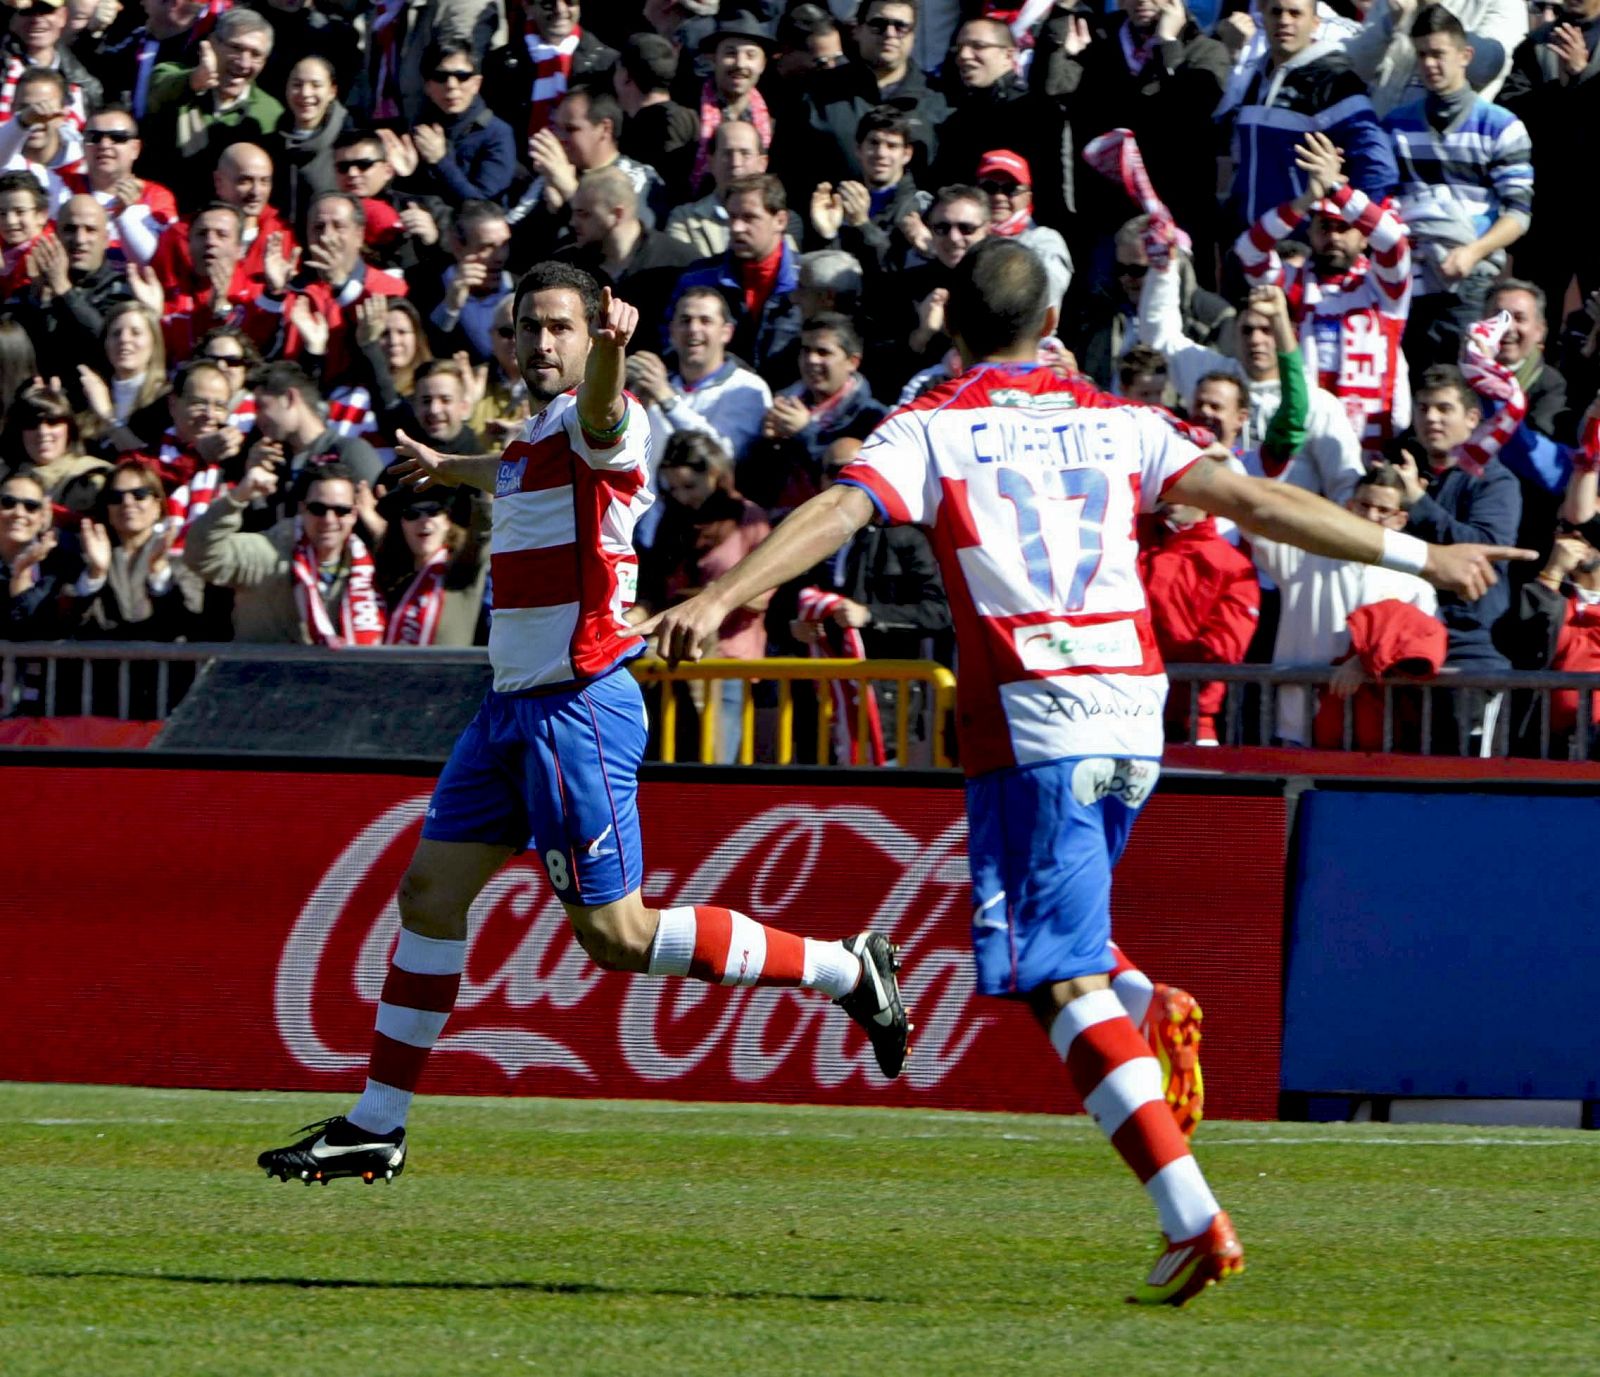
[831, 968]
[1135, 990]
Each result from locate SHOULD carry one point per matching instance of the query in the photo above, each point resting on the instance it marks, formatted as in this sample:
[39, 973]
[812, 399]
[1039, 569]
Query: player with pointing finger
[550, 762]
[1030, 484]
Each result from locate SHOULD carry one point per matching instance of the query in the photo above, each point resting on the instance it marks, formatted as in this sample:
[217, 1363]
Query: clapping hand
[278, 265]
[146, 289]
[431, 143]
[1322, 163]
[827, 211]
[399, 152]
[47, 262]
[95, 545]
[787, 417]
[311, 325]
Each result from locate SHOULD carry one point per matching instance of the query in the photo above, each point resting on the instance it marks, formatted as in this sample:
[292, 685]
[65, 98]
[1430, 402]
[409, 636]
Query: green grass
[136, 1237]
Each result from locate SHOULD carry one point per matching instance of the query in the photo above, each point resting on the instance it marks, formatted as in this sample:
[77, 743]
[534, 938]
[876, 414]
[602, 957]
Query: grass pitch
[137, 1237]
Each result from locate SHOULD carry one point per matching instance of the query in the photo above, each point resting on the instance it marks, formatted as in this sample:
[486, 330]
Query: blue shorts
[1042, 841]
[557, 773]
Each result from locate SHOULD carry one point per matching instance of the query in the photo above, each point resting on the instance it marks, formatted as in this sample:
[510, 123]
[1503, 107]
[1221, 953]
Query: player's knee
[428, 909]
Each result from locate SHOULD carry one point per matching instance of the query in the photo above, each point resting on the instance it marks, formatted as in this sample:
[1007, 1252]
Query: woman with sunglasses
[432, 567]
[148, 594]
[126, 391]
[41, 436]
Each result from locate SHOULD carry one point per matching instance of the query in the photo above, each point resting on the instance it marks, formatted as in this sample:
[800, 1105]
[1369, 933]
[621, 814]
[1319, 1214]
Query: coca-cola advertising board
[231, 929]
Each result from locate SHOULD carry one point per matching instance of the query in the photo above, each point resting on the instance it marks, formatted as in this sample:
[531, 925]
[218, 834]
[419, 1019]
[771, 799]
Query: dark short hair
[354, 138]
[1446, 377]
[706, 290]
[329, 471]
[1382, 476]
[603, 107]
[1233, 380]
[550, 276]
[804, 22]
[113, 107]
[650, 61]
[281, 376]
[234, 211]
[1000, 297]
[1141, 361]
[762, 184]
[885, 119]
[24, 181]
[842, 327]
[1432, 19]
[448, 45]
[475, 212]
[866, 10]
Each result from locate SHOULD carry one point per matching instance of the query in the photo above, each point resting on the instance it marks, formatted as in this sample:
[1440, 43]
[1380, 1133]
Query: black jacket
[892, 572]
[649, 281]
[1009, 115]
[1458, 509]
[1175, 91]
[303, 168]
[508, 74]
[834, 103]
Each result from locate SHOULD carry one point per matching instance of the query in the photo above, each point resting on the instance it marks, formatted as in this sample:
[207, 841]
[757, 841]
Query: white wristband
[1403, 553]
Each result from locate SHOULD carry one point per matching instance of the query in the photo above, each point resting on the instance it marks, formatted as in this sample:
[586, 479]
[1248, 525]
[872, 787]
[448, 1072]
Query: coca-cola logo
[532, 1002]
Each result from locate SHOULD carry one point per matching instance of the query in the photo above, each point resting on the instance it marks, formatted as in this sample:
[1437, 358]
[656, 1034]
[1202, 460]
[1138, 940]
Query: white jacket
[1330, 460]
[1319, 594]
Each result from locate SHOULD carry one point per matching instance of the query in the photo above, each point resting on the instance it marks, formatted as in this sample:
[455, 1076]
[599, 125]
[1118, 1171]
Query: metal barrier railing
[1512, 708]
[786, 672]
[115, 678]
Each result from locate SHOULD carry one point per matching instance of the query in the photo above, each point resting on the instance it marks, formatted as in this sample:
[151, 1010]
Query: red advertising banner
[230, 929]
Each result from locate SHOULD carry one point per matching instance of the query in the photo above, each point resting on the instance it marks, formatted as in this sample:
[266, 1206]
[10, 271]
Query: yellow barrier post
[786, 671]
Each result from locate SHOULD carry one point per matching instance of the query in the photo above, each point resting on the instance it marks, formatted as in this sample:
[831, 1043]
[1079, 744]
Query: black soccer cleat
[336, 1147]
[875, 1002]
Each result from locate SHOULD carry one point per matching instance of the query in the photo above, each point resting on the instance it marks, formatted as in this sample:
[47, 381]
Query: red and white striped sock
[418, 995]
[1120, 1084]
[724, 947]
[1132, 986]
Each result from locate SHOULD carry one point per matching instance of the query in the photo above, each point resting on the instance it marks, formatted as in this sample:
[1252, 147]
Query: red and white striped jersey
[1030, 484]
[561, 554]
[1350, 323]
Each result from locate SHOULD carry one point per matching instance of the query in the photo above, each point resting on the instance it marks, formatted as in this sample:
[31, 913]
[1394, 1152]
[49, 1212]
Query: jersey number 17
[1039, 527]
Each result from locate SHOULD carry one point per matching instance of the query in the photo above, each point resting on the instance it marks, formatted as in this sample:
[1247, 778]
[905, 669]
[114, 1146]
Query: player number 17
[1028, 494]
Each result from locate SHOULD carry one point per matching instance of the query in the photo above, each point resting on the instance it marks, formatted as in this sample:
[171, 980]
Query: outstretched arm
[419, 467]
[810, 535]
[1281, 511]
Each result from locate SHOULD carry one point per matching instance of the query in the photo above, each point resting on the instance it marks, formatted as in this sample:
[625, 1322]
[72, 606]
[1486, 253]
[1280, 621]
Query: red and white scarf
[361, 615]
[384, 32]
[175, 462]
[712, 115]
[818, 605]
[1586, 458]
[1116, 155]
[415, 619]
[1012, 225]
[189, 499]
[1494, 381]
[552, 70]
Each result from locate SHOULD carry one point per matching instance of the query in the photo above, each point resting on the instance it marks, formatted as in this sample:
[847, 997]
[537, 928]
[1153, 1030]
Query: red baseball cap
[1003, 160]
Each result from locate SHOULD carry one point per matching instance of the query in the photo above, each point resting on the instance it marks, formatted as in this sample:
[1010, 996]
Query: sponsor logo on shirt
[508, 478]
[1060, 645]
[1044, 401]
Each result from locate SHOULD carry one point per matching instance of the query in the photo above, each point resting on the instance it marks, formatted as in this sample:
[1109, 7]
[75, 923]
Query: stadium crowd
[245, 245]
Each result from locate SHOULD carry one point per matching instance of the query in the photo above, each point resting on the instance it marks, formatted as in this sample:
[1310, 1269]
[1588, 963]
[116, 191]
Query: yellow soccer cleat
[1190, 1265]
[1172, 1028]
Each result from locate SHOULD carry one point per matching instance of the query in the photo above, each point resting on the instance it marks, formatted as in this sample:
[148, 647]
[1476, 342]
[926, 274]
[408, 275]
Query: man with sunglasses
[837, 99]
[401, 226]
[139, 210]
[310, 579]
[463, 150]
[912, 323]
[550, 763]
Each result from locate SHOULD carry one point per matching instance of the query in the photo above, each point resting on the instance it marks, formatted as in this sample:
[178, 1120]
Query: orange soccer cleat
[1172, 1028]
[1190, 1265]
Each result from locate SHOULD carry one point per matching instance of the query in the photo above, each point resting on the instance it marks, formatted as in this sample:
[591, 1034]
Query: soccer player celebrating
[1030, 483]
[551, 760]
